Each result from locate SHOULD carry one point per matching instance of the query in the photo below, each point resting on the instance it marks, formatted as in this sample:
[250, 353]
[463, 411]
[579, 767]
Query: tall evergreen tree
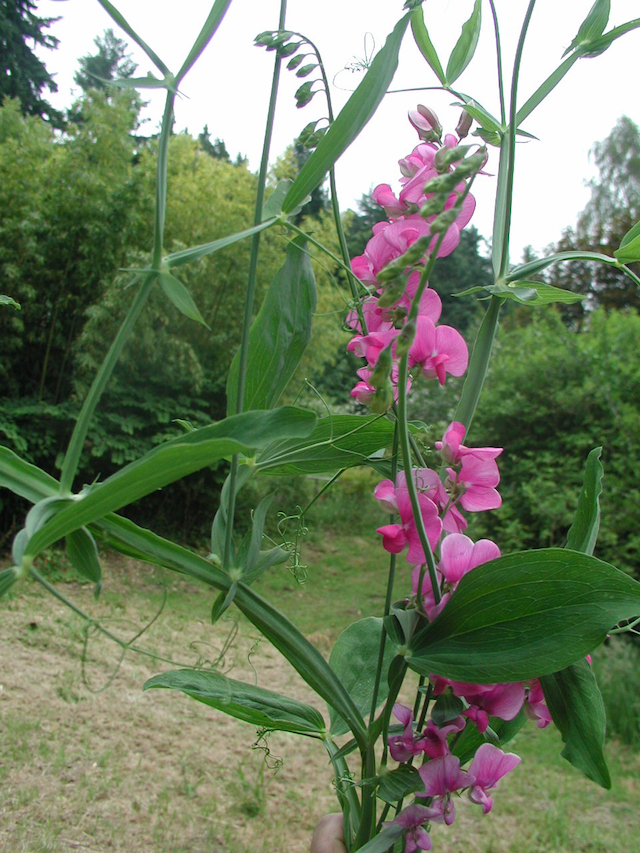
[22, 74]
[110, 62]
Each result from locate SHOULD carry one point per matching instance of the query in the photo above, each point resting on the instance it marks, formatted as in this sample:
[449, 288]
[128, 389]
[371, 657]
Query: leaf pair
[463, 51]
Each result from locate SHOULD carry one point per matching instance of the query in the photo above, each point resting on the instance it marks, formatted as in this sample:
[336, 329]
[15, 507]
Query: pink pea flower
[459, 555]
[396, 537]
[384, 196]
[489, 765]
[490, 700]
[428, 598]
[536, 707]
[411, 819]
[435, 736]
[478, 477]
[405, 746]
[453, 450]
[441, 777]
[438, 350]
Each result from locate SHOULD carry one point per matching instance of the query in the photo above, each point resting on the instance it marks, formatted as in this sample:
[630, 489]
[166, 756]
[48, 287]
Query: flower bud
[392, 293]
[405, 338]
[427, 124]
[442, 184]
[445, 157]
[382, 399]
[433, 206]
[444, 221]
[464, 125]
[382, 370]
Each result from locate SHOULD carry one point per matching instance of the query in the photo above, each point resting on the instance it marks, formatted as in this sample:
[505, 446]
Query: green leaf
[7, 300]
[279, 335]
[467, 744]
[578, 711]
[249, 549]
[525, 615]
[425, 45]
[482, 116]
[583, 533]
[592, 26]
[399, 783]
[352, 118]
[121, 22]
[195, 253]
[25, 479]
[303, 656]
[533, 267]
[169, 462]
[214, 19]
[354, 659]
[384, 841]
[223, 602]
[337, 442]
[255, 705]
[465, 47]
[7, 579]
[180, 296]
[599, 45]
[629, 251]
[219, 525]
[83, 553]
[533, 293]
[447, 707]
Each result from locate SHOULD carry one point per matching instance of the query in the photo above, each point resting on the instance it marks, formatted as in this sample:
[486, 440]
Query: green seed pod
[382, 399]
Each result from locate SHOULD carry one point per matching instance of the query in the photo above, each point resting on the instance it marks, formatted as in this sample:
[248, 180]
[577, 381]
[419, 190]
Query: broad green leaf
[521, 272]
[525, 615]
[425, 46]
[279, 335]
[578, 711]
[171, 461]
[303, 656]
[446, 708]
[583, 533]
[399, 783]
[18, 546]
[352, 118]
[467, 744]
[337, 442]
[7, 579]
[354, 659]
[195, 253]
[545, 88]
[384, 841]
[592, 26]
[180, 296]
[599, 45]
[629, 251]
[465, 47]
[83, 553]
[7, 300]
[44, 510]
[255, 705]
[273, 205]
[25, 479]
[534, 293]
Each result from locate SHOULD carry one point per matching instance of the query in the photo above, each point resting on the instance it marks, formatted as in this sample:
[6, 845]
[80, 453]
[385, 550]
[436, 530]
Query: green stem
[251, 284]
[503, 113]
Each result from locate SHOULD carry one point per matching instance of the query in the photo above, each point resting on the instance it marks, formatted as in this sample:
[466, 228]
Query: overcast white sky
[228, 88]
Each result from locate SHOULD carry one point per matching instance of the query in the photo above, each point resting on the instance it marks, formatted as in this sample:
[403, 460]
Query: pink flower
[490, 700]
[536, 707]
[405, 746]
[396, 537]
[438, 350]
[411, 819]
[384, 196]
[441, 777]
[459, 555]
[453, 450]
[478, 477]
[489, 765]
[436, 737]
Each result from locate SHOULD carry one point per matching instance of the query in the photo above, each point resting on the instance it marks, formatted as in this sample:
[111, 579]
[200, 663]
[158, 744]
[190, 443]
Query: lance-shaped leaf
[303, 656]
[531, 293]
[169, 462]
[525, 615]
[578, 711]
[279, 335]
[255, 705]
[352, 118]
[180, 296]
[425, 45]
[336, 442]
[83, 553]
[195, 253]
[592, 26]
[25, 479]
[629, 251]
[219, 525]
[384, 840]
[7, 579]
[249, 549]
[111, 10]
[354, 659]
[465, 47]
[583, 533]
[599, 45]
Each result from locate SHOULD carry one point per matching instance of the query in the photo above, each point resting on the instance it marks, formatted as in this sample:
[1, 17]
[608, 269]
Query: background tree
[22, 74]
[112, 61]
[611, 211]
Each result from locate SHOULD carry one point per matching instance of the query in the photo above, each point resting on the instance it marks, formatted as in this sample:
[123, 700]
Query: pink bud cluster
[434, 350]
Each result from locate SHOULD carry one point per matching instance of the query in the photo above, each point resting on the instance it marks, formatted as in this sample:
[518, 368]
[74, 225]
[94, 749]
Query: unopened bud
[392, 293]
[442, 184]
[445, 157]
[382, 399]
[444, 221]
[464, 125]
[382, 370]
[433, 206]
[405, 338]
[427, 124]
